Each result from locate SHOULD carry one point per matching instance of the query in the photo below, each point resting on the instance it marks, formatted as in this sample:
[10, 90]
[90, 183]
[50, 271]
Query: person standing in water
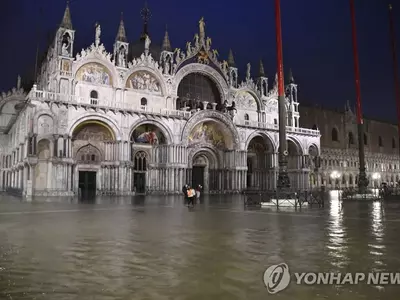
[191, 193]
[198, 190]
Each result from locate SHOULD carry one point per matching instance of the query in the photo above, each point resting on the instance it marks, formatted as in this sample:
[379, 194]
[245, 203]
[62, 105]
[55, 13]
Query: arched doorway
[204, 171]
[43, 169]
[148, 138]
[195, 90]
[260, 164]
[91, 141]
[140, 160]
[295, 165]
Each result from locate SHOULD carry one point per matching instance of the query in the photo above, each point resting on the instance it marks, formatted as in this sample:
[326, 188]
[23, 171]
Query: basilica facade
[147, 119]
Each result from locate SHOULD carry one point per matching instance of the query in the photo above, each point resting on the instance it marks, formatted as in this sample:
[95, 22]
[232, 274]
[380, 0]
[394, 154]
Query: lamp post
[335, 175]
[283, 177]
[362, 177]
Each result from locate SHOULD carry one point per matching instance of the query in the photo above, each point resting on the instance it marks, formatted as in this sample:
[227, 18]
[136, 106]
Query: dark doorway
[139, 182]
[249, 172]
[197, 176]
[87, 184]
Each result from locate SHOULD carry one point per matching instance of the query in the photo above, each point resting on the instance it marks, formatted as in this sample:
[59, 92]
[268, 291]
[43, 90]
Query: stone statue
[248, 71]
[189, 48]
[196, 40]
[18, 82]
[202, 25]
[224, 67]
[97, 36]
[147, 43]
[178, 55]
[208, 43]
[121, 58]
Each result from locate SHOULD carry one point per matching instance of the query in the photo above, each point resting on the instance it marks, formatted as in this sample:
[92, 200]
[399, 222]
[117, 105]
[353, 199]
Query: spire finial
[121, 35]
[66, 21]
[166, 45]
[290, 76]
[231, 60]
[261, 71]
[146, 15]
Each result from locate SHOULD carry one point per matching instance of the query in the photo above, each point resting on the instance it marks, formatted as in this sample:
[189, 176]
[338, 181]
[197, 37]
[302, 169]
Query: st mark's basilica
[145, 118]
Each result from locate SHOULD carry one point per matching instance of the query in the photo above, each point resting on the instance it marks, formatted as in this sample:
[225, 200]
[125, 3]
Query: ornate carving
[96, 52]
[145, 61]
[244, 100]
[144, 81]
[45, 125]
[94, 73]
[88, 155]
[63, 119]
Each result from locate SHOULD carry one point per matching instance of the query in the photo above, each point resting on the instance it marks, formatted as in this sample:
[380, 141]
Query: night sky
[316, 39]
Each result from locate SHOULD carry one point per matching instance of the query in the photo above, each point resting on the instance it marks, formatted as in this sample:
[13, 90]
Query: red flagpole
[396, 77]
[283, 177]
[362, 177]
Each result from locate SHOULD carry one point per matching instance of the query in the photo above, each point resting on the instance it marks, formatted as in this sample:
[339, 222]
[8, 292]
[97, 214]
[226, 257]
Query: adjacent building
[339, 165]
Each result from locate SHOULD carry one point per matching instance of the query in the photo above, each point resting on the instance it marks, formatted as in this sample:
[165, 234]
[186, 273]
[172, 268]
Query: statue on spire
[97, 36]
[202, 26]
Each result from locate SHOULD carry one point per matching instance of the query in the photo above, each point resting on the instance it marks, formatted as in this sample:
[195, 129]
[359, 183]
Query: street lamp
[335, 175]
[376, 176]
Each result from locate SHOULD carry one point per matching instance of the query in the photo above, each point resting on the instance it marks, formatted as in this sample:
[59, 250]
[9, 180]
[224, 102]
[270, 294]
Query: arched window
[88, 155]
[380, 142]
[246, 117]
[94, 96]
[393, 143]
[365, 139]
[276, 121]
[351, 138]
[335, 134]
[140, 161]
[143, 102]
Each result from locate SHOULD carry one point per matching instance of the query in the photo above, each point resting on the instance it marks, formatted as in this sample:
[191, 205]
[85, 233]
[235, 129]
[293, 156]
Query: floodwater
[157, 248]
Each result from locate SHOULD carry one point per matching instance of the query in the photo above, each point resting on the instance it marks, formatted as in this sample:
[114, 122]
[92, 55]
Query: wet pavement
[157, 248]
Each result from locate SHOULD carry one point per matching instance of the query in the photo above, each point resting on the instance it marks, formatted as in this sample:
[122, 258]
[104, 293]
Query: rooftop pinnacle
[66, 21]
[121, 35]
[166, 45]
[231, 60]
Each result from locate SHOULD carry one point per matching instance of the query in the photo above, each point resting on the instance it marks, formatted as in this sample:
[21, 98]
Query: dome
[136, 50]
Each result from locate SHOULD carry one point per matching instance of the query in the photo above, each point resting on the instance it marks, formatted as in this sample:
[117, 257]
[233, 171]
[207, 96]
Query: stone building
[339, 147]
[146, 119]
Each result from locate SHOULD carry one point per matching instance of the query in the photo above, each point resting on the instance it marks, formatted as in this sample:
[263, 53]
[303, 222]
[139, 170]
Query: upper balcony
[45, 96]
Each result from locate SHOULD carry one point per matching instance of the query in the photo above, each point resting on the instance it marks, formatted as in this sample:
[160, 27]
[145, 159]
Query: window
[275, 121]
[335, 135]
[351, 138]
[143, 102]
[393, 143]
[246, 119]
[365, 139]
[94, 96]
[380, 142]
[140, 161]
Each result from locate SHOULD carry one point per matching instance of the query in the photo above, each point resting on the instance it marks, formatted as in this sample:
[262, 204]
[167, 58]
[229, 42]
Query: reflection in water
[337, 239]
[155, 248]
[376, 246]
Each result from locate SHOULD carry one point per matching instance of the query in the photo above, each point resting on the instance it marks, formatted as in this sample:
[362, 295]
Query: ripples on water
[160, 249]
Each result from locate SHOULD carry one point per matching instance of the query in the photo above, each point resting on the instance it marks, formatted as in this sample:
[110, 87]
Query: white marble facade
[138, 129]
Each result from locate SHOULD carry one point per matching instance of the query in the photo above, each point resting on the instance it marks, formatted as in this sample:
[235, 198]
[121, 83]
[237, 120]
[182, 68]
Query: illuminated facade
[147, 119]
[339, 148]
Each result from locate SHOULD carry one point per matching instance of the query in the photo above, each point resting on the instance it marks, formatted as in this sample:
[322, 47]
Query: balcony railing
[264, 125]
[77, 100]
